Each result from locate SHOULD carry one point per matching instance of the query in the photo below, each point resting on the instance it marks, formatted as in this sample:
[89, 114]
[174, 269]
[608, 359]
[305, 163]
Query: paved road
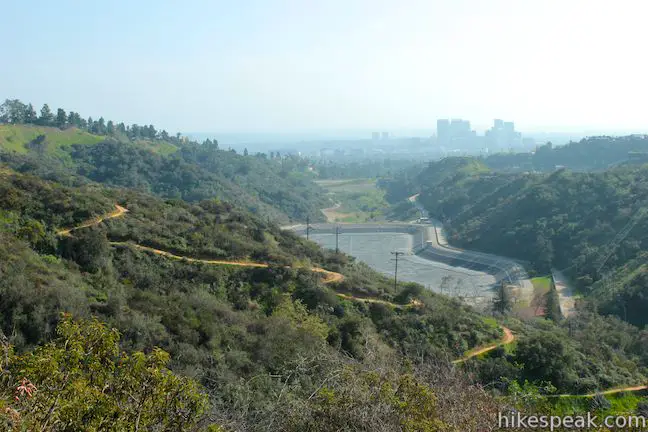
[565, 293]
[506, 268]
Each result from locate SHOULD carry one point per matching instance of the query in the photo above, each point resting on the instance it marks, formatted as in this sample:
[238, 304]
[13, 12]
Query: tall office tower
[375, 136]
[385, 135]
[443, 131]
[459, 128]
[503, 135]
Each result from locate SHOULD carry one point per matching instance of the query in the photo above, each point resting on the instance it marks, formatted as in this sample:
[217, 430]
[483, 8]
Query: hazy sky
[280, 65]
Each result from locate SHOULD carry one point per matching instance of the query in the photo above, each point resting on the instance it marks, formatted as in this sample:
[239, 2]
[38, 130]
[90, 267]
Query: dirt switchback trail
[118, 212]
[507, 339]
[328, 276]
[605, 392]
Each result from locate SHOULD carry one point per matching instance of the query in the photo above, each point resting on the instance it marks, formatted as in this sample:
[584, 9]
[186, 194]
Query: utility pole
[308, 227]
[337, 243]
[397, 254]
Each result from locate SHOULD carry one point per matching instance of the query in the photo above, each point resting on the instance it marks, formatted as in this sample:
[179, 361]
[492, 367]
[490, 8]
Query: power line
[397, 254]
[337, 243]
[308, 228]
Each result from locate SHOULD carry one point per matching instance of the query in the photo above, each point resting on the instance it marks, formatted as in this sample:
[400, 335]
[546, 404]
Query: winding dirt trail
[118, 212]
[328, 278]
[507, 339]
[412, 303]
[327, 275]
[605, 392]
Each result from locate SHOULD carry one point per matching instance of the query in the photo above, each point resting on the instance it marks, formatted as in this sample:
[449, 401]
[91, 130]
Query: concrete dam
[426, 242]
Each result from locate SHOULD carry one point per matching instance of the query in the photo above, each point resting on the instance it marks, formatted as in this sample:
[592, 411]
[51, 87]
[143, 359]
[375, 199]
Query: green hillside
[141, 157]
[593, 225]
[222, 325]
[21, 137]
[178, 278]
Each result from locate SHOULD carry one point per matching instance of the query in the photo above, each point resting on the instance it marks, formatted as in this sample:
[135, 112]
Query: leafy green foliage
[372, 401]
[81, 381]
[588, 154]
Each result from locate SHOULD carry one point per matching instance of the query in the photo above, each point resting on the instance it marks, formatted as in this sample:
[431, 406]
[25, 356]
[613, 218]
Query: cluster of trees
[582, 354]
[589, 154]
[13, 111]
[380, 168]
[280, 190]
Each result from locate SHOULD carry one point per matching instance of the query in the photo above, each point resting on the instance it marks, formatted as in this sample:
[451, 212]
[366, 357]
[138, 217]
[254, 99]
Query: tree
[503, 302]
[30, 115]
[13, 111]
[543, 252]
[89, 248]
[547, 357]
[245, 151]
[83, 381]
[101, 126]
[61, 118]
[46, 117]
[135, 131]
[4, 112]
[297, 314]
[110, 128]
[552, 307]
[74, 119]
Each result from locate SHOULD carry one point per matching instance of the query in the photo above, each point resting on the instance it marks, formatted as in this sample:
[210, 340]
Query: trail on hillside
[328, 278]
[412, 303]
[507, 339]
[118, 212]
[605, 392]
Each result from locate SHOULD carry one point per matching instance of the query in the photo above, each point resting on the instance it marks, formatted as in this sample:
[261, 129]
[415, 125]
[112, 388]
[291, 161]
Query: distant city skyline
[286, 65]
[394, 133]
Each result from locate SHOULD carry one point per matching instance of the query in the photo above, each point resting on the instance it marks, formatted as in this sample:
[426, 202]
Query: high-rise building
[503, 135]
[455, 133]
[375, 136]
[385, 135]
[443, 132]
